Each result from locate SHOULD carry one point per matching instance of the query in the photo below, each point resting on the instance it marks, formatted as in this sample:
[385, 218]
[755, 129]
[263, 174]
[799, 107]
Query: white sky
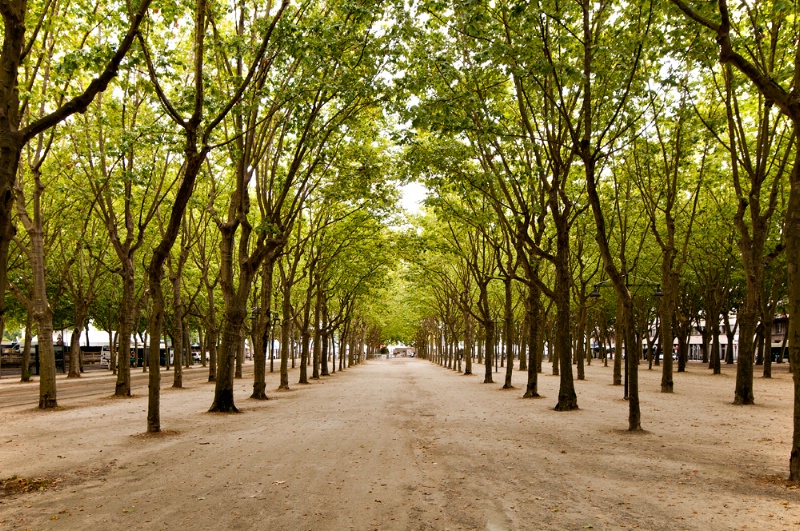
[413, 196]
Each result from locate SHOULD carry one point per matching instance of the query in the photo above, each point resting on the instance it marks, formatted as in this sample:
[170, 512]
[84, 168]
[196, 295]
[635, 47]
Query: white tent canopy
[96, 337]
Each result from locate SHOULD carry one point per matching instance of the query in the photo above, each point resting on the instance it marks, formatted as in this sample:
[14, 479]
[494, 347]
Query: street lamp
[642, 282]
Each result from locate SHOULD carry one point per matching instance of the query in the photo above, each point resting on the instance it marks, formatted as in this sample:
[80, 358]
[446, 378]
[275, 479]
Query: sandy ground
[402, 444]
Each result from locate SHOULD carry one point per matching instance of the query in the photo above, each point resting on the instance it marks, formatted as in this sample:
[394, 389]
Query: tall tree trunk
[112, 351]
[683, 352]
[325, 352]
[580, 338]
[632, 352]
[508, 326]
[326, 339]
[154, 352]
[38, 304]
[262, 324]
[534, 309]
[317, 331]
[47, 361]
[211, 334]
[767, 347]
[342, 347]
[293, 346]
[177, 326]
[75, 344]
[791, 235]
[447, 347]
[232, 340]
[351, 354]
[619, 340]
[618, 280]
[748, 316]
[127, 317]
[285, 335]
[333, 343]
[188, 359]
[489, 329]
[730, 334]
[459, 355]
[305, 342]
[239, 358]
[716, 348]
[522, 334]
[155, 272]
[758, 344]
[201, 339]
[468, 342]
[567, 399]
[25, 369]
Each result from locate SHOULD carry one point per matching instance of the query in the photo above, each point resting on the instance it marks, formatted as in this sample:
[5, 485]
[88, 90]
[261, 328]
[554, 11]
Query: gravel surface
[400, 444]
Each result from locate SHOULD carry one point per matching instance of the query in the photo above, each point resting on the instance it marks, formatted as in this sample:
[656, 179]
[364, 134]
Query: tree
[770, 78]
[130, 183]
[197, 130]
[663, 178]
[14, 136]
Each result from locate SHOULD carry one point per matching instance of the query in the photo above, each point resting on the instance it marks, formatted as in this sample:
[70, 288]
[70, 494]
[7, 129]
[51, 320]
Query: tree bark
[567, 399]
[489, 332]
[75, 347]
[177, 325]
[154, 352]
[508, 324]
[619, 340]
[38, 304]
[261, 346]
[468, 342]
[315, 370]
[211, 335]
[623, 295]
[580, 339]
[25, 369]
[155, 274]
[327, 340]
[670, 284]
[716, 348]
[232, 326]
[285, 337]
[534, 310]
[239, 358]
[632, 351]
[791, 234]
[767, 348]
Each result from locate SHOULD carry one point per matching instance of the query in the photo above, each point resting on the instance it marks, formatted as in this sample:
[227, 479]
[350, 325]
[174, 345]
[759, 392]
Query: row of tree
[194, 171]
[210, 155]
[665, 133]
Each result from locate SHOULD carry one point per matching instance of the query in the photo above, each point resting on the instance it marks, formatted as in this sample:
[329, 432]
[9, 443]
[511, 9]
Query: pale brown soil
[402, 444]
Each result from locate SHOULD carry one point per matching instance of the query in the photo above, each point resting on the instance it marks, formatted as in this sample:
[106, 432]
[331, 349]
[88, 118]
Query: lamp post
[642, 282]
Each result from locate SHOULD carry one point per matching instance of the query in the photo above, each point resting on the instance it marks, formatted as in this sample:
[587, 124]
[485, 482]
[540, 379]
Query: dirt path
[404, 444]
